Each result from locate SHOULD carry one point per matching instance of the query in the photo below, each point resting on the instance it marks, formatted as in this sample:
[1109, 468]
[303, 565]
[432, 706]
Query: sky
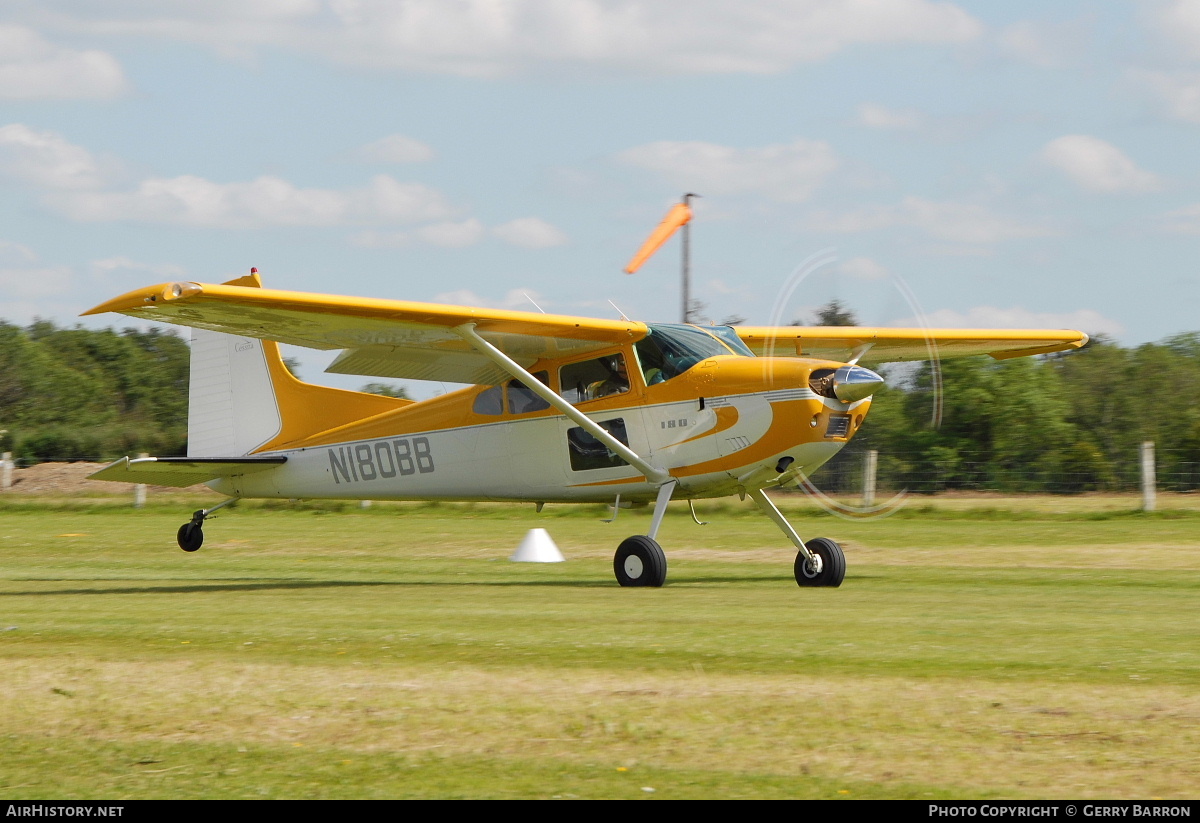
[975, 164]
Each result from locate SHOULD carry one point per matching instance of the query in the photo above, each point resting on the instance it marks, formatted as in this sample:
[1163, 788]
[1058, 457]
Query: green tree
[833, 313]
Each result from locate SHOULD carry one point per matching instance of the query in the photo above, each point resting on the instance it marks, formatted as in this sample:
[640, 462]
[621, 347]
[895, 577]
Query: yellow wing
[884, 345]
[385, 338]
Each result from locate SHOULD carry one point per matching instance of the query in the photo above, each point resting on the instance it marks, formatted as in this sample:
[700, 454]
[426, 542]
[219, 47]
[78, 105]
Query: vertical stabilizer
[242, 398]
[232, 407]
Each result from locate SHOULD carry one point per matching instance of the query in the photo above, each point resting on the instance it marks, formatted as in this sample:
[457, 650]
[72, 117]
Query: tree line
[89, 394]
[1067, 422]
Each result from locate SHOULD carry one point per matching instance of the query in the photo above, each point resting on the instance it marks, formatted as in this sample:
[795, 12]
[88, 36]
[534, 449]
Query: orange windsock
[679, 214]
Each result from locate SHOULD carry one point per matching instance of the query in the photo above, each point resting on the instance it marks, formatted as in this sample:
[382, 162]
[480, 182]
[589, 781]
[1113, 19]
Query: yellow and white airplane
[563, 409]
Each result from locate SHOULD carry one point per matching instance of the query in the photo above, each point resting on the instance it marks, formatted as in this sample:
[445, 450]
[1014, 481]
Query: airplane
[560, 409]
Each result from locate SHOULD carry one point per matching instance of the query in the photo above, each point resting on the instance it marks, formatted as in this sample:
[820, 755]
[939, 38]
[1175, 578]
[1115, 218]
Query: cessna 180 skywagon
[562, 409]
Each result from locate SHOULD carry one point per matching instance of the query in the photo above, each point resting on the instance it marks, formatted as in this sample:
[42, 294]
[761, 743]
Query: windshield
[730, 338]
[670, 349]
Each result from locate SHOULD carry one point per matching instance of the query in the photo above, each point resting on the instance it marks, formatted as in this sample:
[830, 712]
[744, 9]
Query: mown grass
[393, 652]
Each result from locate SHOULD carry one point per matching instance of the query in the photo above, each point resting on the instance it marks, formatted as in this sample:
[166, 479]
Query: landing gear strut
[191, 534]
[820, 561]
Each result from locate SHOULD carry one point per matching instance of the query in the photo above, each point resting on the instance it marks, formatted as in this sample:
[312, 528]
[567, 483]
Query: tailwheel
[640, 561]
[827, 568]
[190, 536]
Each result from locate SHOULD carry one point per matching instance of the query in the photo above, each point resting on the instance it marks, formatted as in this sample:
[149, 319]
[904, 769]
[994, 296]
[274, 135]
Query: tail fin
[242, 398]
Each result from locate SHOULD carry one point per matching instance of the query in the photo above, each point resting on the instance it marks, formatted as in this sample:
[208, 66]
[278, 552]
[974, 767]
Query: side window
[592, 379]
[490, 401]
[589, 453]
[521, 400]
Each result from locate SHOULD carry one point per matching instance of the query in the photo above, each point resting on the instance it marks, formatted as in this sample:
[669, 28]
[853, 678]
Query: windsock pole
[686, 265]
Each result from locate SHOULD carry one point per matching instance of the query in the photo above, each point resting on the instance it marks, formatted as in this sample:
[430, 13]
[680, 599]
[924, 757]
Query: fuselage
[716, 420]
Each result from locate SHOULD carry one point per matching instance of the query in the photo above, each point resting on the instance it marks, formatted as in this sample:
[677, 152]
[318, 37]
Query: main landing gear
[191, 534]
[827, 566]
[640, 561]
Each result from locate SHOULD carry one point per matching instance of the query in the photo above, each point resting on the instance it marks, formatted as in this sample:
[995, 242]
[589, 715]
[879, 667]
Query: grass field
[987, 648]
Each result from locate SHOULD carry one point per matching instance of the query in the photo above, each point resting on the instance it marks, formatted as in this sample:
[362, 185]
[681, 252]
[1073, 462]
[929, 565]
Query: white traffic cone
[537, 547]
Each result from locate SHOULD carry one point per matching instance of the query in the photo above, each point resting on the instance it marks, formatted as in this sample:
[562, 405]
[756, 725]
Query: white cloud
[1178, 22]
[1179, 92]
[387, 200]
[1017, 317]
[1046, 45]
[526, 232]
[875, 116]
[266, 201]
[530, 233]
[788, 172]
[111, 272]
[1182, 221]
[395, 148]
[46, 159]
[949, 221]
[15, 253]
[372, 239]
[514, 299]
[32, 68]
[863, 268]
[490, 37]
[33, 283]
[1096, 165]
[452, 235]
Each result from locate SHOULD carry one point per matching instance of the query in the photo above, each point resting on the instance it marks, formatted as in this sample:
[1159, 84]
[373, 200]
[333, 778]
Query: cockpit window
[670, 349]
[592, 379]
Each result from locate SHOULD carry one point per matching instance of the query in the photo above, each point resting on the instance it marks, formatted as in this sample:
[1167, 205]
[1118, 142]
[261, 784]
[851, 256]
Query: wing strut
[653, 473]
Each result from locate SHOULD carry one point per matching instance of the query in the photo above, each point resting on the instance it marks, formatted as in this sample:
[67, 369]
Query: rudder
[232, 406]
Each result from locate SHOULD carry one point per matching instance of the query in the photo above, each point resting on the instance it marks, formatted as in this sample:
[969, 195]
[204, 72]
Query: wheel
[640, 561]
[190, 537]
[832, 565]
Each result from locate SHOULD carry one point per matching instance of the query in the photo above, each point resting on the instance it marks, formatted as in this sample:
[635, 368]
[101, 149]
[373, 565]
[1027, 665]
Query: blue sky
[1016, 164]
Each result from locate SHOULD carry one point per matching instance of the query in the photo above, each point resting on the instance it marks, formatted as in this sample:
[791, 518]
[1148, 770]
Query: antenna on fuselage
[534, 302]
[618, 308]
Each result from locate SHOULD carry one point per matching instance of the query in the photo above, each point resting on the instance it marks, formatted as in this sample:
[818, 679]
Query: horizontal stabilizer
[182, 471]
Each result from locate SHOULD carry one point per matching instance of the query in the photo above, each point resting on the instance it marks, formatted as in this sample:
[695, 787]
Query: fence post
[1148, 481]
[6, 467]
[870, 464]
[139, 491]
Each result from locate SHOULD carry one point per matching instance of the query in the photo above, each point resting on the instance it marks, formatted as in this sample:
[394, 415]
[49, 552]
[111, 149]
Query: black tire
[833, 564]
[640, 561]
[190, 537]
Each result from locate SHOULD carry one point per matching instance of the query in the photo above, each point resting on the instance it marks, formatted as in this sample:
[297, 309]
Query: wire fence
[925, 473]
